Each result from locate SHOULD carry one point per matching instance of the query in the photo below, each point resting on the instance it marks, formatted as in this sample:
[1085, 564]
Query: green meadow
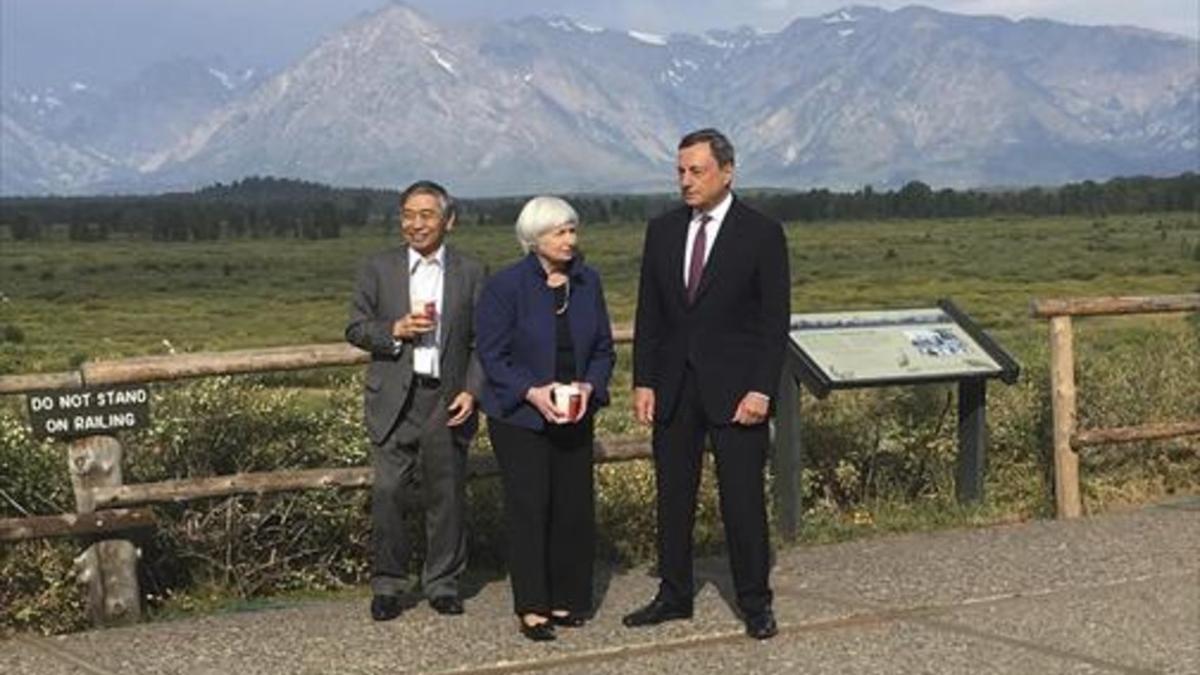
[876, 460]
[64, 302]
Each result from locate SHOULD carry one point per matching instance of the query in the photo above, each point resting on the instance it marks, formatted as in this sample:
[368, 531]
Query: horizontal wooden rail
[20, 384]
[181, 366]
[185, 489]
[1148, 432]
[1045, 309]
[74, 524]
[311, 479]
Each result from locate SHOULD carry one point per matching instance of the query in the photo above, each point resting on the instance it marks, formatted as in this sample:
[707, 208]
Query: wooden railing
[1068, 439]
[183, 366]
[108, 568]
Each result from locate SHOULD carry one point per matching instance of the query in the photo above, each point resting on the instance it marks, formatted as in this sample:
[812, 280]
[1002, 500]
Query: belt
[426, 382]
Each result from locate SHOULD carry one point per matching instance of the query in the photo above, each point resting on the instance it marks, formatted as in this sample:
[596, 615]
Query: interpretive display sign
[841, 350]
[879, 348]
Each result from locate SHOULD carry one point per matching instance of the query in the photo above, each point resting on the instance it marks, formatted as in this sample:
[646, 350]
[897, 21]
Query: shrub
[12, 333]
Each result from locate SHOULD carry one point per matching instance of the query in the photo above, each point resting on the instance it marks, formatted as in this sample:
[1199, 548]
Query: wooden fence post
[108, 569]
[1062, 384]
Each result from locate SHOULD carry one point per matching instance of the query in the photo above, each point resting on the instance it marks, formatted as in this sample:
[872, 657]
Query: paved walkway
[1118, 593]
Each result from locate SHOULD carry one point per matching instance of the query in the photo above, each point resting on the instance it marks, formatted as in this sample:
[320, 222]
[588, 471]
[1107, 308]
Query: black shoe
[539, 632]
[656, 612]
[385, 607]
[761, 626]
[571, 620]
[448, 605]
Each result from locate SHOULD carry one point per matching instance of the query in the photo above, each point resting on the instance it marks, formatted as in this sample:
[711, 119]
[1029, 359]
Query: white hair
[540, 215]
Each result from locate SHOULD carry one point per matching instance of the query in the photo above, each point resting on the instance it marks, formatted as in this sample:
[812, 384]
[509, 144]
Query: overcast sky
[58, 40]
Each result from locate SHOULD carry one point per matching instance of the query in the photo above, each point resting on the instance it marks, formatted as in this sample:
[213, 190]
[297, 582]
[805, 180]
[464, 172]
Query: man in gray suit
[412, 310]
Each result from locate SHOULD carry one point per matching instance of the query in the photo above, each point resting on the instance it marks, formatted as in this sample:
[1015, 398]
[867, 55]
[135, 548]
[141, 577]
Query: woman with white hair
[545, 343]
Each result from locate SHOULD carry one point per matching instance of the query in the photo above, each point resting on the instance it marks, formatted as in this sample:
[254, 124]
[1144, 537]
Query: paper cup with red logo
[427, 308]
[568, 400]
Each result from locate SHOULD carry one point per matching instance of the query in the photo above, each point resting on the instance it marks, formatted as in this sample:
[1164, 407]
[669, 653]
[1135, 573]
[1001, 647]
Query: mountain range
[859, 96]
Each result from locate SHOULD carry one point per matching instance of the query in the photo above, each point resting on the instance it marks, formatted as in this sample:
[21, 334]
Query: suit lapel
[678, 239]
[452, 288]
[403, 273]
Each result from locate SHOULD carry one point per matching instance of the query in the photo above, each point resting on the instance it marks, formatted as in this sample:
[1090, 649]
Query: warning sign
[96, 411]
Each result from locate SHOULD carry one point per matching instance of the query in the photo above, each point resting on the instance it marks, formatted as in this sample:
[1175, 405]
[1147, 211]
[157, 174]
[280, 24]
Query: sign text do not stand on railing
[94, 411]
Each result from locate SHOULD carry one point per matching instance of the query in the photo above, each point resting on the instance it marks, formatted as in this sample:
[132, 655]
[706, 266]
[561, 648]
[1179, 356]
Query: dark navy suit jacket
[735, 333]
[515, 338]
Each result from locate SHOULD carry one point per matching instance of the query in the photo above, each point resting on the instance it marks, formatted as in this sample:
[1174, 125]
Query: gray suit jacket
[380, 298]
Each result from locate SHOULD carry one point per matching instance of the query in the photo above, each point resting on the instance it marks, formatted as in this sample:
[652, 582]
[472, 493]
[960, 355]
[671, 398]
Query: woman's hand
[542, 399]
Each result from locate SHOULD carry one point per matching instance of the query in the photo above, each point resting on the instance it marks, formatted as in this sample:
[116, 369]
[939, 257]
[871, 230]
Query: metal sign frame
[820, 383]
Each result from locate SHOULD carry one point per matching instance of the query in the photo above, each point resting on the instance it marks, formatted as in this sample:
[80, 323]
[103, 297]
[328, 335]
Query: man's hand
[411, 326]
[752, 409]
[540, 398]
[643, 405]
[461, 408]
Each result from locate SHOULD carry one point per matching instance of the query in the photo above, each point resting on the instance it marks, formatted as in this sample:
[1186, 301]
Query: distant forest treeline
[272, 207]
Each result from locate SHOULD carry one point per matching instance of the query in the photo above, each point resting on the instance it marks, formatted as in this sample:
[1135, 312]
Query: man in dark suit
[412, 310]
[709, 338]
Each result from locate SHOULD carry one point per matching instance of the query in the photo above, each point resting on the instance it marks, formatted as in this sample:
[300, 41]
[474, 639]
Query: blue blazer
[515, 338]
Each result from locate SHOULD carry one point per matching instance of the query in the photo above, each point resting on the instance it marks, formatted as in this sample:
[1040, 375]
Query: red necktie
[696, 266]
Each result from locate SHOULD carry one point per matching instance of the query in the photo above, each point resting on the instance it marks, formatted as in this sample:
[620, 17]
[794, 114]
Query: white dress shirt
[710, 232]
[426, 280]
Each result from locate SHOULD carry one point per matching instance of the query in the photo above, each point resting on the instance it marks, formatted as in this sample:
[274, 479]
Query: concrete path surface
[1118, 593]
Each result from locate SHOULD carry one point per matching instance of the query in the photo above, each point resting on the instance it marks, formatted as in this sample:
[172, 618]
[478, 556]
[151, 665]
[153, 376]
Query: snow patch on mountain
[442, 61]
[648, 38]
[840, 16]
[222, 77]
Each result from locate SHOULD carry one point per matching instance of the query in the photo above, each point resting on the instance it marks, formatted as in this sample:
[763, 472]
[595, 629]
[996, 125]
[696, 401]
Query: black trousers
[549, 504]
[741, 454]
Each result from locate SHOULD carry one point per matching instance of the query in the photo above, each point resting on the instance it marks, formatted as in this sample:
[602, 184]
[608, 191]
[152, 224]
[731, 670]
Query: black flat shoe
[541, 632]
[656, 612]
[571, 620]
[447, 605]
[761, 626]
[385, 607]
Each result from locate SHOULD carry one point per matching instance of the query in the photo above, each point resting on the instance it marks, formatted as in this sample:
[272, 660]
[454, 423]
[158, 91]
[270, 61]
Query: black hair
[722, 149]
[428, 187]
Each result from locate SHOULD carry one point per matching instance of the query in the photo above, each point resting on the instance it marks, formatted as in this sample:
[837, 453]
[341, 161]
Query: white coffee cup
[568, 400]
